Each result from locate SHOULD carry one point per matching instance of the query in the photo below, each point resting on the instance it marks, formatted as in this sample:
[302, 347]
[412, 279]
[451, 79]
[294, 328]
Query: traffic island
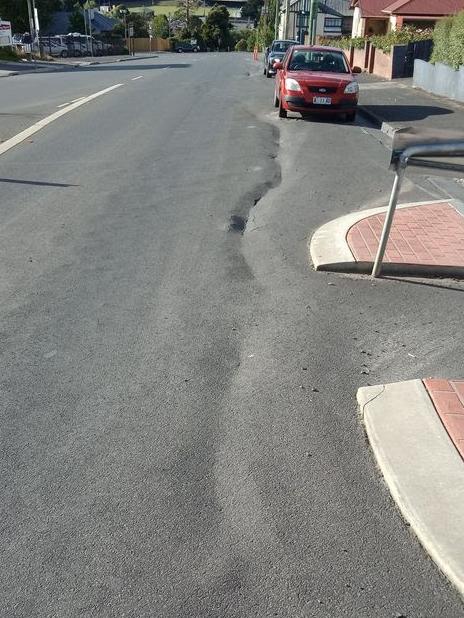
[426, 239]
[415, 429]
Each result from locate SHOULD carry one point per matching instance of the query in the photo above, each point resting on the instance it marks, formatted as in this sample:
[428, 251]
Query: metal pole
[276, 21]
[85, 25]
[90, 32]
[36, 30]
[388, 220]
[31, 23]
[287, 19]
[312, 19]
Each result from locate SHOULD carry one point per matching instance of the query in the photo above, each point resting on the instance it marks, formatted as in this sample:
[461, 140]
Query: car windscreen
[324, 61]
[282, 46]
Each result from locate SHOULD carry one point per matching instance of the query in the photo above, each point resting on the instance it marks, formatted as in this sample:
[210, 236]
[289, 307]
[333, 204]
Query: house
[381, 16]
[334, 19]
[59, 24]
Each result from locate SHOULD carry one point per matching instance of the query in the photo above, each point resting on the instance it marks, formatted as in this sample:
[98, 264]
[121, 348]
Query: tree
[265, 30]
[160, 27]
[185, 9]
[216, 29]
[252, 9]
[76, 22]
[139, 22]
[16, 12]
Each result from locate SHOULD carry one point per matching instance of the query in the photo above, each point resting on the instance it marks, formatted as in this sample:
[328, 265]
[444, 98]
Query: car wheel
[351, 117]
[265, 71]
[276, 99]
[64, 54]
[268, 74]
[282, 111]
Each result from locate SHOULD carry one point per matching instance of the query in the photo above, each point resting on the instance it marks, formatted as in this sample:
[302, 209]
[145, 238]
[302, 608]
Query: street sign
[5, 33]
[131, 30]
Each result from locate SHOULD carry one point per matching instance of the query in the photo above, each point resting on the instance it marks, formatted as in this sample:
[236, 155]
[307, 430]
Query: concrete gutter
[8, 73]
[421, 467]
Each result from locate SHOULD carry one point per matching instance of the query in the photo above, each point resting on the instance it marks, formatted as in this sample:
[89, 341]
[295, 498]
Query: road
[179, 432]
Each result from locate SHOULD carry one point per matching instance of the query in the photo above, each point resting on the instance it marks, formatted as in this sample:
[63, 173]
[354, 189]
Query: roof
[340, 8]
[424, 7]
[382, 8]
[371, 8]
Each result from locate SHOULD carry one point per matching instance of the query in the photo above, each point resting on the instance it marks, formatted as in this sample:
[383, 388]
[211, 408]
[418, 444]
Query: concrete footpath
[395, 104]
[416, 431]
[415, 428]
[426, 239]
[8, 69]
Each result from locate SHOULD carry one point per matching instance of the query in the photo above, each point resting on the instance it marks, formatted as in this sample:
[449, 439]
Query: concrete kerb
[87, 63]
[8, 73]
[385, 127]
[329, 250]
[421, 467]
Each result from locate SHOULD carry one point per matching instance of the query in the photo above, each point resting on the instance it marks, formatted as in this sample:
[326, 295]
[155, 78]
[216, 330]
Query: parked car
[275, 52]
[316, 80]
[186, 47]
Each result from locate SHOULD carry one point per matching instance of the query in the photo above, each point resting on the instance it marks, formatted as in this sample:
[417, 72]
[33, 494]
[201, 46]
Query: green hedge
[385, 41]
[448, 41]
[400, 37]
[7, 53]
[344, 42]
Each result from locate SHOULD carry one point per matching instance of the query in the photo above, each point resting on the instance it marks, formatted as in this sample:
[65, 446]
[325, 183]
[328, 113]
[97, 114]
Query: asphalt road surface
[179, 431]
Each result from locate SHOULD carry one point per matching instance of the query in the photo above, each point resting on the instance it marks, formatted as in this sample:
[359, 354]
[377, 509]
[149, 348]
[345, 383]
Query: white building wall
[358, 23]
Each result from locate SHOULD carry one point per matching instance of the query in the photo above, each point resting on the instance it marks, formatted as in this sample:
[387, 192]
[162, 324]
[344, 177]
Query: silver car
[276, 51]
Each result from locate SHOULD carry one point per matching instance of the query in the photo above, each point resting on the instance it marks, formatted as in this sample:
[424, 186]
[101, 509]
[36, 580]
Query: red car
[314, 79]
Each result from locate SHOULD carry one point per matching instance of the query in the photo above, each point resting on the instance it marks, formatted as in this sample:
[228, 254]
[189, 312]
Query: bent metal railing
[408, 149]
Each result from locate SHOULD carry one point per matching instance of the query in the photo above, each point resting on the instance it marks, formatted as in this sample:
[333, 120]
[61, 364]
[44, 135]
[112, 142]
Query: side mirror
[356, 70]
[278, 65]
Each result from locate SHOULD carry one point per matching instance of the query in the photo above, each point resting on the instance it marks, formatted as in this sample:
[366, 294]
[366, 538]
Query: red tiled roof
[382, 8]
[424, 7]
[371, 8]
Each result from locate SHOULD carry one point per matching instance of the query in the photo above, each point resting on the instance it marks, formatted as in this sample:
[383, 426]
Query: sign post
[6, 38]
[131, 39]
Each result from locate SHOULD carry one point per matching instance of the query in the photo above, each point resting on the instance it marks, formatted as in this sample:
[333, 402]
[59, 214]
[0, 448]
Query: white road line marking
[69, 102]
[20, 137]
[139, 77]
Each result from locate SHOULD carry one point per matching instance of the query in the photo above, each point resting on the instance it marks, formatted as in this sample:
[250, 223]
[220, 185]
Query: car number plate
[322, 101]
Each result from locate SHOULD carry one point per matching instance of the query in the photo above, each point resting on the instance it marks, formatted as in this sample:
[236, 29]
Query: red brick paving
[427, 234]
[448, 399]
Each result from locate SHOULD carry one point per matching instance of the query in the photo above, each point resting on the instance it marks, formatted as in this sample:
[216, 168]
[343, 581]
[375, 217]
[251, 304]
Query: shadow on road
[36, 183]
[405, 113]
[442, 286]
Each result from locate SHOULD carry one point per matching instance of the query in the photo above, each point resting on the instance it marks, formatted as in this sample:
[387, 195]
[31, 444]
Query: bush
[8, 53]
[457, 41]
[441, 36]
[241, 45]
[401, 37]
[344, 42]
[448, 41]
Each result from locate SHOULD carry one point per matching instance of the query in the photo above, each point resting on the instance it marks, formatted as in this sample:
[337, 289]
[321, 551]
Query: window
[324, 61]
[332, 23]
